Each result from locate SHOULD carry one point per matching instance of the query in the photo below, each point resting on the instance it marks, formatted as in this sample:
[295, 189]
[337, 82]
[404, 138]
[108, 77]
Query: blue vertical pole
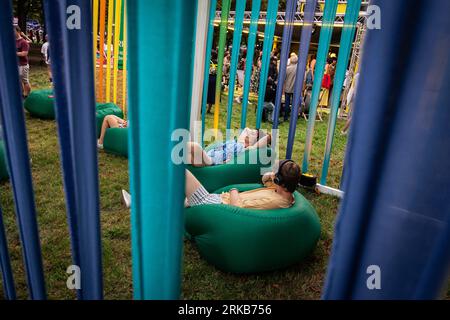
[348, 34]
[256, 6]
[237, 36]
[5, 264]
[62, 115]
[326, 32]
[209, 43]
[157, 208]
[285, 46]
[75, 97]
[271, 22]
[14, 132]
[392, 234]
[301, 67]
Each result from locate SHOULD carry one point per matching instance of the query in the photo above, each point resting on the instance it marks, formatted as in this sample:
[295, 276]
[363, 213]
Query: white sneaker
[99, 146]
[126, 198]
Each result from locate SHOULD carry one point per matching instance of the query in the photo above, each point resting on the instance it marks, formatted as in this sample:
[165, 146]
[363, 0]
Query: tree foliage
[28, 9]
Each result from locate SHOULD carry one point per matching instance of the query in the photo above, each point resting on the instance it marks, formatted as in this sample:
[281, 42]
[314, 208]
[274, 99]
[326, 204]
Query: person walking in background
[311, 66]
[211, 98]
[46, 55]
[291, 71]
[226, 69]
[351, 102]
[326, 85]
[241, 78]
[23, 47]
[273, 68]
[254, 83]
[332, 72]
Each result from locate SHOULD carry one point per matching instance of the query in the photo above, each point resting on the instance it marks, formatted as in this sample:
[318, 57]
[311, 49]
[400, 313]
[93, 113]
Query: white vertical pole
[199, 64]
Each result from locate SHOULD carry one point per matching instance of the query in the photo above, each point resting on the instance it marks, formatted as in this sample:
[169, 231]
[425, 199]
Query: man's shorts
[24, 74]
[201, 196]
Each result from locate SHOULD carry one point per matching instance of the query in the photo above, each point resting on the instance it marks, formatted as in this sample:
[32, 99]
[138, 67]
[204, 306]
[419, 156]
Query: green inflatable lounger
[116, 141]
[240, 240]
[40, 104]
[4, 175]
[247, 167]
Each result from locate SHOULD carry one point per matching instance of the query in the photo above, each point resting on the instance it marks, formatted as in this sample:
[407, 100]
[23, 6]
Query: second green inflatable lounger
[116, 141]
[246, 168]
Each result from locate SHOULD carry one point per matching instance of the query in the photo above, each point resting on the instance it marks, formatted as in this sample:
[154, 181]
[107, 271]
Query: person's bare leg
[197, 156]
[108, 122]
[192, 184]
[26, 89]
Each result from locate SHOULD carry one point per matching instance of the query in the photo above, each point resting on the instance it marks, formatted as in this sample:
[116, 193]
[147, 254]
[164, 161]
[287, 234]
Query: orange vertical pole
[94, 30]
[117, 25]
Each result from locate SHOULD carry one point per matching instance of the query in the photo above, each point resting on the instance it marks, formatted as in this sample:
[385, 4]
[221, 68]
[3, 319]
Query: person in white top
[46, 54]
[350, 102]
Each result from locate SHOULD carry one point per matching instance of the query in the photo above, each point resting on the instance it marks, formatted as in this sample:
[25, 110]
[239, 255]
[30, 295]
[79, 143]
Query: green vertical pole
[271, 21]
[222, 39]
[348, 34]
[326, 32]
[237, 36]
[209, 43]
[256, 6]
[157, 183]
[122, 24]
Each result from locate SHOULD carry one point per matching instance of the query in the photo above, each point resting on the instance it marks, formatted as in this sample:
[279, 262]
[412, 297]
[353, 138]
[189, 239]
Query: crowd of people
[272, 80]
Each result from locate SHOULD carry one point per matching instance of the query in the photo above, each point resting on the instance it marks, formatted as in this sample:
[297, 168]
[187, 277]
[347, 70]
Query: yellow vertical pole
[117, 22]
[101, 49]
[124, 69]
[108, 49]
[94, 30]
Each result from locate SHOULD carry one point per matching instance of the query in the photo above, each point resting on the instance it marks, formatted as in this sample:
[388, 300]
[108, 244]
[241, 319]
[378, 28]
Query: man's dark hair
[291, 173]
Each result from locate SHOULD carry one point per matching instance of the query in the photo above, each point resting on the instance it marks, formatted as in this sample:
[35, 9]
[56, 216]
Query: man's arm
[22, 53]
[263, 142]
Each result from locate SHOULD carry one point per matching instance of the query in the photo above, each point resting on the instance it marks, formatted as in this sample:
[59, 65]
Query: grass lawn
[200, 280]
